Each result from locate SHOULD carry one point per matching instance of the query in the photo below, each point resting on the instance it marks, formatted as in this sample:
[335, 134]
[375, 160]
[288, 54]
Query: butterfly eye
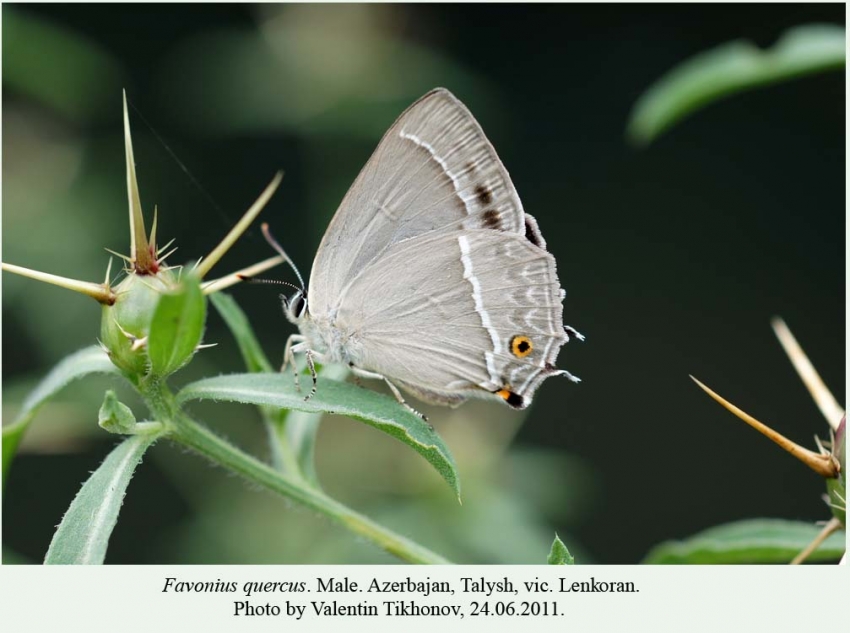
[298, 304]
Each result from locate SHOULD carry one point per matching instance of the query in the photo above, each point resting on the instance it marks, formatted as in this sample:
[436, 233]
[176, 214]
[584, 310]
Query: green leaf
[377, 410]
[83, 535]
[86, 361]
[177, 326]
[559, 554]
[749, 541]
[252, 353]
[730, 68]
[115, 416]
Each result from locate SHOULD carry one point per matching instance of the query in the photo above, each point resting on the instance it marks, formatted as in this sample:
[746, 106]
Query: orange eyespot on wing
[521, 346]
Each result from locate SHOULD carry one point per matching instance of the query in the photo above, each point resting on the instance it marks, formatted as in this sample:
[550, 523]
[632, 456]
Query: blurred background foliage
[674, 258]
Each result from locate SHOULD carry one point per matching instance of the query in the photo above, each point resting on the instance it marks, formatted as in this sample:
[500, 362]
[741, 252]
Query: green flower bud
[125, 325]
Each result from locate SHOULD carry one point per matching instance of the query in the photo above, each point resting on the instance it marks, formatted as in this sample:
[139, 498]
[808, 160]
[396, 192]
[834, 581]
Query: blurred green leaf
[86, 361]
[377, 410]
[57, 67]
[177, 326]
[235, 319]
[730, 68]
[11, 557]
[559, 554]
[83, 535]
[305, 69]
[749, 541]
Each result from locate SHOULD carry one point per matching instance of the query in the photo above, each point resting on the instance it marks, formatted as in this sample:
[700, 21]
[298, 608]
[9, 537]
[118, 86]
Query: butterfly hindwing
[476, 312]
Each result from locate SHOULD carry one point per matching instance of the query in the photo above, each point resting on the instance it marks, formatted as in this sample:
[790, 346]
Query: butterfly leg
[297, 344]
[362, 373]
[308, 354]
[292, 344]
[357, 380]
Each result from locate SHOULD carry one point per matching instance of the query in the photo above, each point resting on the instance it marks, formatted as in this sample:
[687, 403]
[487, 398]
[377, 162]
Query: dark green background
[674, 257]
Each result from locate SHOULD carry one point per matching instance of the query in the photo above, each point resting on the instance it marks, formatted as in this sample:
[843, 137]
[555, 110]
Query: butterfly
[430, 275]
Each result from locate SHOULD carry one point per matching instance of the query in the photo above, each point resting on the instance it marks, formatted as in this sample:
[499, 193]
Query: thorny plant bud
[125, 325]
[129, 307]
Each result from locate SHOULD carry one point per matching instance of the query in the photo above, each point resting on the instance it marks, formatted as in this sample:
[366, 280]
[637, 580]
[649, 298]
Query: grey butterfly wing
[433, 171]
[448, 328]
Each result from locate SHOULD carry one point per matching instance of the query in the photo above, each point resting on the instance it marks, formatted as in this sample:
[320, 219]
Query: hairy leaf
[377, 410]
[83, 535]
[89, 360]
[559, 554]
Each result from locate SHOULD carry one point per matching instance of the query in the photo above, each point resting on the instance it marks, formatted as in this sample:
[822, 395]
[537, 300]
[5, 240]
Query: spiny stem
[197, 437]
[99, 292]
[824, 465]
[826, 402]
[218, 252]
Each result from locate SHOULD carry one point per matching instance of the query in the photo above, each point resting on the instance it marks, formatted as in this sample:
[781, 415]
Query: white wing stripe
[469, 275]
[426, 145]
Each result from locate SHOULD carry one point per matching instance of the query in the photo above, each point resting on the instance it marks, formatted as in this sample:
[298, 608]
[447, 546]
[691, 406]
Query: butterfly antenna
[273, 282]
[273, 243]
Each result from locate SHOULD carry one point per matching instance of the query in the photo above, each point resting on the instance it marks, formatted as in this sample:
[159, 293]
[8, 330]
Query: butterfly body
[430, 275]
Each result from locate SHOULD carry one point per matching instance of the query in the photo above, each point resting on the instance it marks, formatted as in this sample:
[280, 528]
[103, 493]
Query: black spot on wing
[492, 219]
[484, 194]
[515, 400]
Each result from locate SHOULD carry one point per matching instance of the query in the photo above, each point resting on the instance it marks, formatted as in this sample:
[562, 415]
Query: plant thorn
[825, 465]
[99, 292]
[204, 266]
[823, 398]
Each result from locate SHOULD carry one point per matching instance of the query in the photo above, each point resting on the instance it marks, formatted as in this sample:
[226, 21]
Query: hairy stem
[188, 432]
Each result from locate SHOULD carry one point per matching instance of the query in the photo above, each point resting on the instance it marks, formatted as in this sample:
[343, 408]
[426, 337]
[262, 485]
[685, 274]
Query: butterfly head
[295, 307]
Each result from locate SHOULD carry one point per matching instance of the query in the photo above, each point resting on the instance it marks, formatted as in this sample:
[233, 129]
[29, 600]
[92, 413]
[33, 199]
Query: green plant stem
[190, 433]
[283, 458]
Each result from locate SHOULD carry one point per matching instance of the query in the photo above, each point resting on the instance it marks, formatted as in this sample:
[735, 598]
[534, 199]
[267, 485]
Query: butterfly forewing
[434, 170]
